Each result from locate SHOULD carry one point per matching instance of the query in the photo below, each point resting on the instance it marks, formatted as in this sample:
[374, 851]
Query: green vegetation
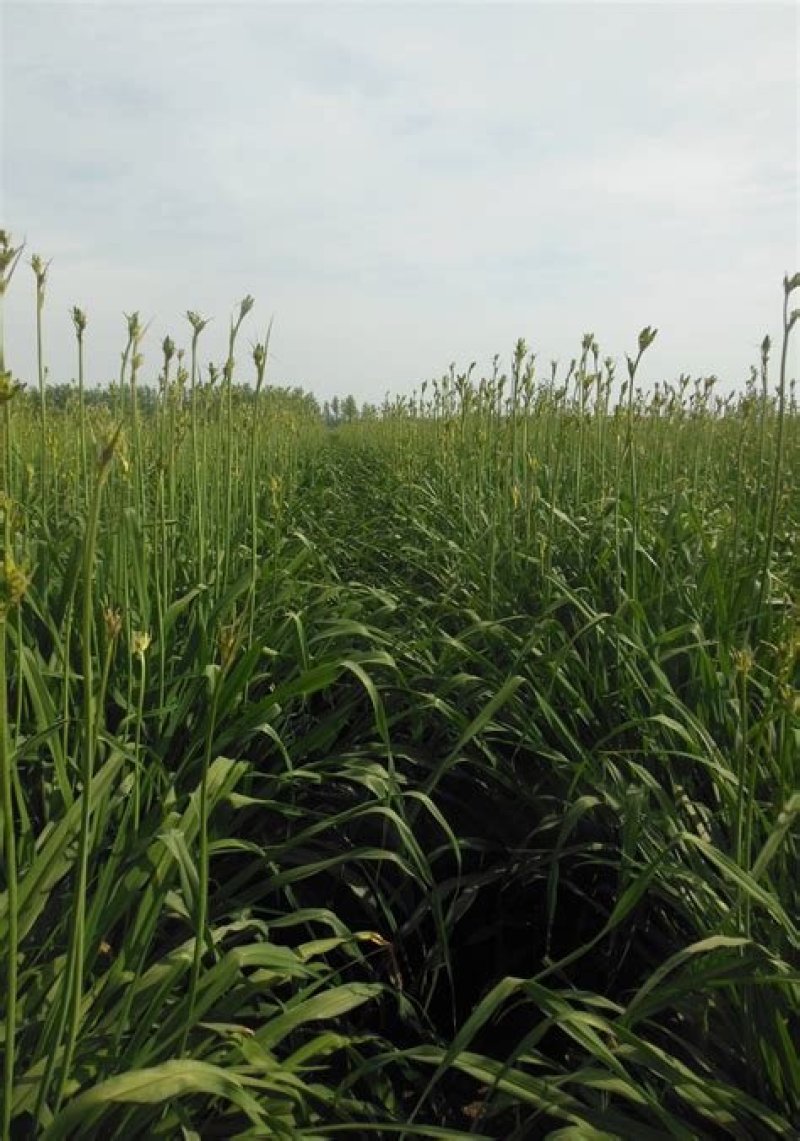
[432, 774]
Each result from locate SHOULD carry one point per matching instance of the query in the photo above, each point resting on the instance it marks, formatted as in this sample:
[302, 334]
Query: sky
[402, 186]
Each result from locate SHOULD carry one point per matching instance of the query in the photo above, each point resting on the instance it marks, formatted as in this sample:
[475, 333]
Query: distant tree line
[345, 411]
[59, 396]
[333, 413]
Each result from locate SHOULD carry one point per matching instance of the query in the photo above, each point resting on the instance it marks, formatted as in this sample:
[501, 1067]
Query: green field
[429, 773]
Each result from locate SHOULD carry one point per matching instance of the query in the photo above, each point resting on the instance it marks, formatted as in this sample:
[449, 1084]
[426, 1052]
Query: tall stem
[79, 321]
[646, 338]
[40, 269]
[72, 991]
[198, 323]
[10, 852]
[788, 324]
[12, 586]
[201, 916]
[244, 308]
[260, 360]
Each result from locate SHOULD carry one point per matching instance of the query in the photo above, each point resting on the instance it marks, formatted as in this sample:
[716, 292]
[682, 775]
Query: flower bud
[140, 642]
[646, 338]
[113, 622]
[78, 320]
[8, 387]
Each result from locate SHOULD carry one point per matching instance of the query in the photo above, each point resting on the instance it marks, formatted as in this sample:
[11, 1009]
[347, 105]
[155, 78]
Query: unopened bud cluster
[8, 387]
[13, 584]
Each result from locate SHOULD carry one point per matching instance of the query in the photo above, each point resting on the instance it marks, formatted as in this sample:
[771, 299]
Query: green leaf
[154, 1086]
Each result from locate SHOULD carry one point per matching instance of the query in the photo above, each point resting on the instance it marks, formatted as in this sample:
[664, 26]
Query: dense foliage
[432, 774]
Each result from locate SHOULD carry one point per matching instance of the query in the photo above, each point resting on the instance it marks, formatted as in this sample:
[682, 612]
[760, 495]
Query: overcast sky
[403, 185]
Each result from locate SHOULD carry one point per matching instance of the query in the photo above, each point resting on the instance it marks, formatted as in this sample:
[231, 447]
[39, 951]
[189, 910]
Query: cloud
[404, 185]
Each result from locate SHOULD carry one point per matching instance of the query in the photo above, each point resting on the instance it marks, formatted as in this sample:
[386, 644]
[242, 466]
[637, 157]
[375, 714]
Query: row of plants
[434, 775]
